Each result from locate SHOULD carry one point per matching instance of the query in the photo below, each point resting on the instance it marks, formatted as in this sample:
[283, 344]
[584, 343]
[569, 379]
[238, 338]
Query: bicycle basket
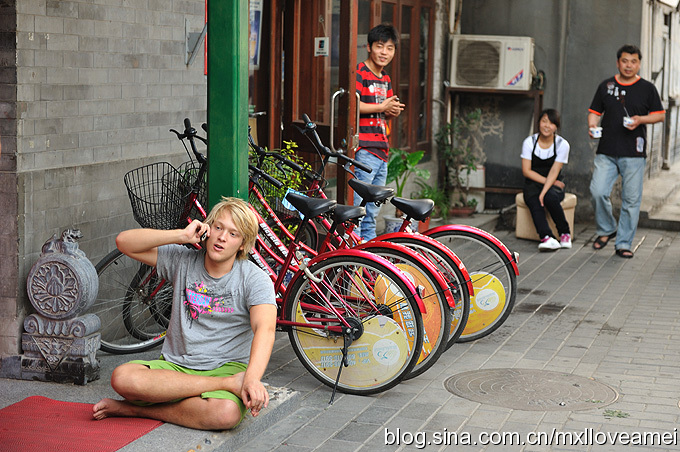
[155, 195]
[188, 173]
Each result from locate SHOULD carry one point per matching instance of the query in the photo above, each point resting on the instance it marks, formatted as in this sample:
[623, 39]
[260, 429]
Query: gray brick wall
[99, 83]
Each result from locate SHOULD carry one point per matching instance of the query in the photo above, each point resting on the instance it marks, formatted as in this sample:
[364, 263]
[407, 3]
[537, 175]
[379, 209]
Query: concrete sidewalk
[579, 312]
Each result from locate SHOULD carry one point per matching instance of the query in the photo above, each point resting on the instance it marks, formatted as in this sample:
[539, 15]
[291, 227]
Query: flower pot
[461, 211]
[475, 183]
[392, 224]
[424, 225]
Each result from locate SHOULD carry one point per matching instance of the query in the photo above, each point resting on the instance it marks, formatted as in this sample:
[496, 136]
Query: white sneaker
[549, 244]
[565, 241]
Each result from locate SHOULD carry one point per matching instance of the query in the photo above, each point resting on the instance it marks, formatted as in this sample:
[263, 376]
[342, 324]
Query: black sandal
[626, 254]
[598, 244]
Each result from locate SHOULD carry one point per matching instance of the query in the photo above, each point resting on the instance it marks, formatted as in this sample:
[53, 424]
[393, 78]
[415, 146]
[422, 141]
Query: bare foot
[234, 383]
[112, 408]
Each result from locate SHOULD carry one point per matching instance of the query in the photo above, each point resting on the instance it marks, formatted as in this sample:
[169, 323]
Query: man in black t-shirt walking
[625, 103]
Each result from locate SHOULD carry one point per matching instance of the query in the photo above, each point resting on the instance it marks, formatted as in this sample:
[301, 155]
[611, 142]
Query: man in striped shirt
[377, 104]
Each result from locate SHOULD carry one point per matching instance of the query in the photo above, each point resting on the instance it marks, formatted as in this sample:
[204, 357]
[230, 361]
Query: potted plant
[459, 160]
[400, 167]
[436, 194]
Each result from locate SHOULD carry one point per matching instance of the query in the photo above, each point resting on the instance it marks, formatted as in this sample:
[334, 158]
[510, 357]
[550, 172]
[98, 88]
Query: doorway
[311, 49]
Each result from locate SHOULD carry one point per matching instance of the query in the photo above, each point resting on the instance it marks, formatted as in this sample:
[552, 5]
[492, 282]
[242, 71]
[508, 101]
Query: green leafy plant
[291, 179]
[436, 194]
[458, 157]
[402, 165]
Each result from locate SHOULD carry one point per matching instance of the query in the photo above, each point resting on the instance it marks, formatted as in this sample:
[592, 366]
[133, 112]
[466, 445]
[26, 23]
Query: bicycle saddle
[419, 209]
[310, 207]
[343, 213]
[370, 192]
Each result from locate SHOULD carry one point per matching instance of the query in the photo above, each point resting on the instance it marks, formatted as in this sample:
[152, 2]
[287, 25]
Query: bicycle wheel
[133, 305]
[368, 296]
[434, 291]
[493, 279]
[441, 257]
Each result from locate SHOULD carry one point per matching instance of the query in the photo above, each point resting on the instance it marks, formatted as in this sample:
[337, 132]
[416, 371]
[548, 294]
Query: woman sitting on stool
[543, 155]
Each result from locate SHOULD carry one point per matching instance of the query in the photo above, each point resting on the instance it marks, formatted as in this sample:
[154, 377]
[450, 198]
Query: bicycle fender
[512, 257]
[423, 261]
[459, 263]
[370, 256]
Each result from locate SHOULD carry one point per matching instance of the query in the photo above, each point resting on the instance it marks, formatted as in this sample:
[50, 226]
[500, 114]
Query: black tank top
[542, 167]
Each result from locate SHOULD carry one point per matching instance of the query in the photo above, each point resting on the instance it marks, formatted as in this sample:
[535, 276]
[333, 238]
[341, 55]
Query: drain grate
[531, 390]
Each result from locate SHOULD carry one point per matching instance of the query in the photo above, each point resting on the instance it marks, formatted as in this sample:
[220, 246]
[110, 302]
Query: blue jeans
[605, 173]
[377, 177]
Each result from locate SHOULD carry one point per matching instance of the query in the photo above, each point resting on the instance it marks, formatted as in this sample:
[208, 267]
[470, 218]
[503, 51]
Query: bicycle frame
[287, 264]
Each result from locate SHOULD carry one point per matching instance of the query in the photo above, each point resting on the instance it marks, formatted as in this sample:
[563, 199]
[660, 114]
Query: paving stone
[357, 431]
[310, 436]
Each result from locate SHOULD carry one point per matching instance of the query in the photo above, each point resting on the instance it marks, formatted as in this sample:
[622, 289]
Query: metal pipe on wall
[668, 46]
[564, 24]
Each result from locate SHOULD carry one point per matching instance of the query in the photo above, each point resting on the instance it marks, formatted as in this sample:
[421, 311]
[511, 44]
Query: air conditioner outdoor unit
[492, 62]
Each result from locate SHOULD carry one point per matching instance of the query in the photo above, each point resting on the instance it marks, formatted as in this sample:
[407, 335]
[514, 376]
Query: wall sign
[321, 47]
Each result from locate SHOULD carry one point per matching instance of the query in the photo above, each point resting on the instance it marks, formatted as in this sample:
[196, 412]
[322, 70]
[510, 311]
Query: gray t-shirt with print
[210, 321]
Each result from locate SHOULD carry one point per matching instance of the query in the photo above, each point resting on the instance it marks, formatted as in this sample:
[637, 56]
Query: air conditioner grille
[478, 63]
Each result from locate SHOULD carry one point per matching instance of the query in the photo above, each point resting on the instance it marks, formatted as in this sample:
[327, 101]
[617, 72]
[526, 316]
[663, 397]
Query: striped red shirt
[372, 127]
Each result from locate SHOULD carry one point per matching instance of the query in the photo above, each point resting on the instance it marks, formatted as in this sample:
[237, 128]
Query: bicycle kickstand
[348, 339]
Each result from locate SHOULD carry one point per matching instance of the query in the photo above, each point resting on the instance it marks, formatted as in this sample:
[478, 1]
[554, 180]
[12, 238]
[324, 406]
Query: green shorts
[225, 370]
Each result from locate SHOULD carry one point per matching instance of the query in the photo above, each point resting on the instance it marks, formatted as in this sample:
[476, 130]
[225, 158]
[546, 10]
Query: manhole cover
[531, 390]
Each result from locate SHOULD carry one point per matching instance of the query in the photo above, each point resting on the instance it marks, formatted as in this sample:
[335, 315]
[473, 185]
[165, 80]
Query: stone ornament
[59, 343]
[63, 283]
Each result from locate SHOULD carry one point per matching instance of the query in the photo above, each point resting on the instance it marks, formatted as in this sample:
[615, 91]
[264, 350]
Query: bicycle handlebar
[267, 177]
[190, 134]
[310, 128]
[282, 159]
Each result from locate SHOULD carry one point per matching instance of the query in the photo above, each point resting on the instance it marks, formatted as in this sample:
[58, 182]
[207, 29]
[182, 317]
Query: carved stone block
[60, 351]
[58, 344]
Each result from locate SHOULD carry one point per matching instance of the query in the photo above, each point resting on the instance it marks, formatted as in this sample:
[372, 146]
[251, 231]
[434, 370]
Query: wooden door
[319, 73]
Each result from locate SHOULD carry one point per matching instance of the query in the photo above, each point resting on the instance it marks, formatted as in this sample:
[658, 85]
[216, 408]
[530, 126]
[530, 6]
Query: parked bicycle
[343, 309]
[415, 259]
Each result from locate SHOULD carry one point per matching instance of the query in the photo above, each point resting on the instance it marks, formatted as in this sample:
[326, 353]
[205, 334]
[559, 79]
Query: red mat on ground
[41, 424]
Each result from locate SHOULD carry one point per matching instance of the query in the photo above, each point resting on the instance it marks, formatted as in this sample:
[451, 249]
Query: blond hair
[244, 220]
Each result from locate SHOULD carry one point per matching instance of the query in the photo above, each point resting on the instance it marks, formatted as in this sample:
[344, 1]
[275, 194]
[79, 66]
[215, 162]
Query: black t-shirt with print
[615, 100]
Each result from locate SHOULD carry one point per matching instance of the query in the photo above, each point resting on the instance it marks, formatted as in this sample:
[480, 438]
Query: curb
[282, 403]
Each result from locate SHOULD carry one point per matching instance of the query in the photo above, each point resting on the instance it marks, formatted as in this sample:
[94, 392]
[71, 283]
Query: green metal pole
[227, 99]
